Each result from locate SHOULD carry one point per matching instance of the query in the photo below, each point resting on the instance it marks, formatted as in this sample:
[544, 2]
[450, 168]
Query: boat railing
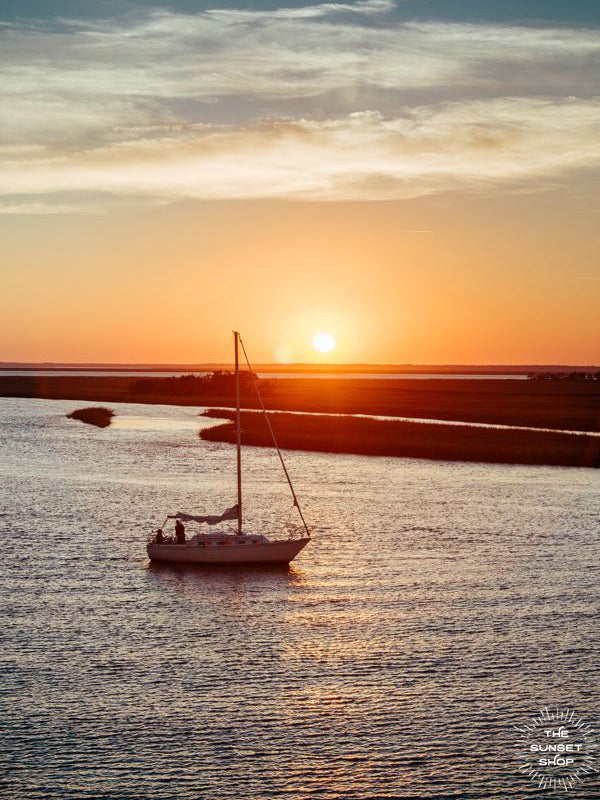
[292, 530]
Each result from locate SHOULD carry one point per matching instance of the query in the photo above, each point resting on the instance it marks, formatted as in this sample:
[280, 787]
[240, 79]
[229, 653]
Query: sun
[323, 342]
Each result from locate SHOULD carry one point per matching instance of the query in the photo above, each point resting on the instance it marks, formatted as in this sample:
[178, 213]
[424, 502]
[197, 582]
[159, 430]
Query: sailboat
[244, 546]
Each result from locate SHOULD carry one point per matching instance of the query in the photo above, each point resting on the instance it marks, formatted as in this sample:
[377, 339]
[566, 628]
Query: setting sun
[323, 342]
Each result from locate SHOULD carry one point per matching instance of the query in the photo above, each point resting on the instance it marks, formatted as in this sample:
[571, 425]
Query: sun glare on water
[323, 342]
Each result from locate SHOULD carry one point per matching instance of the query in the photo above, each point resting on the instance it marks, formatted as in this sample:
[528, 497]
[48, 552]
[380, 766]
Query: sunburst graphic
[556, 749]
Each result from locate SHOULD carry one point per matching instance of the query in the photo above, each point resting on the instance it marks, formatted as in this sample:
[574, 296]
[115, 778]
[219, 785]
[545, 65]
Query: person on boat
[159, 538]
[180, 532]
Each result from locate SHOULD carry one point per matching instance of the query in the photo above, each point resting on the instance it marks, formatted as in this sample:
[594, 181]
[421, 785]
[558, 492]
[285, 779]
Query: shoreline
[299, 366]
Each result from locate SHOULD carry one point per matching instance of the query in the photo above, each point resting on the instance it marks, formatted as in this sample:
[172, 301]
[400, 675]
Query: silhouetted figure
[180, 532]
[159, 538]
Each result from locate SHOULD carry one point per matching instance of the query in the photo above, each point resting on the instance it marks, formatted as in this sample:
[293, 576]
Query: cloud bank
[331, 102]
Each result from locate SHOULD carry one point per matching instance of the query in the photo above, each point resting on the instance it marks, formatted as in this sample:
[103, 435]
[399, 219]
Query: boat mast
[238, 431]
[272, 432]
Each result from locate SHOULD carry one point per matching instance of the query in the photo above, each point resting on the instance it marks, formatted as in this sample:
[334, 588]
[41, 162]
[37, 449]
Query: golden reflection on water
[437, 605]
[133, 423]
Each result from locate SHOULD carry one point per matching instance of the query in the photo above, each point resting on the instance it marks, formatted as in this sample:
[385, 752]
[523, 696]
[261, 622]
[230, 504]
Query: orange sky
[417, 179]
[449, 279]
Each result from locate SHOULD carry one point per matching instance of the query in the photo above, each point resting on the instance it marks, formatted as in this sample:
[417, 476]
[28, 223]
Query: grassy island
[93, 415]
[338, 434]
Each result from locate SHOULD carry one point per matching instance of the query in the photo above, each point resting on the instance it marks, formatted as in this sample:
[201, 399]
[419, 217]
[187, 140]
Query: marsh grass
[338, 434]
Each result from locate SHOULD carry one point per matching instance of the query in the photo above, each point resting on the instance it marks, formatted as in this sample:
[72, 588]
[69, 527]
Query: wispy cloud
[362, 156]
[37, 207]
[308, 12]
[319, 102]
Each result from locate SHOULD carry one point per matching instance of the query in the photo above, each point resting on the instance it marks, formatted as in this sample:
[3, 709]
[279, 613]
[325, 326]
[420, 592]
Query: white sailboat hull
[278, 552]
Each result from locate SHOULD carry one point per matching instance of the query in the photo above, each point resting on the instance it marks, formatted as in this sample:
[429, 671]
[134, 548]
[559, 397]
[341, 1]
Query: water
[438, 605]
[154, 374]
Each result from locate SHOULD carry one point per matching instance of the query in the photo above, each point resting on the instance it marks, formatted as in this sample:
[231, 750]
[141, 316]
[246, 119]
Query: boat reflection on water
[204, 576]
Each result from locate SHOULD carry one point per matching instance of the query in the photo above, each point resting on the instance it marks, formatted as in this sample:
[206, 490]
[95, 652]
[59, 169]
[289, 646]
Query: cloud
[330, 101]
[36, 207]
[363, 156]
[366, 7]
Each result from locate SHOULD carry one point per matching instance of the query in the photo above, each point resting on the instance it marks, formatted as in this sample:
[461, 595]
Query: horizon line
[271, 366]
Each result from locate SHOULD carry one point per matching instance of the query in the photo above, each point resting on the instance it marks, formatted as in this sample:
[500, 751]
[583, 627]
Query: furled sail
[230, 513]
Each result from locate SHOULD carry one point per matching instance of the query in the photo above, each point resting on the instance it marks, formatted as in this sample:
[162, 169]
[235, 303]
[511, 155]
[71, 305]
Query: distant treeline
[219, 383]
[564, 376]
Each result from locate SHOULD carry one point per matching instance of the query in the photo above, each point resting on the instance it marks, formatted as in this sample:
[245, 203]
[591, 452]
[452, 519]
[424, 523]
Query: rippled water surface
[438, 605]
